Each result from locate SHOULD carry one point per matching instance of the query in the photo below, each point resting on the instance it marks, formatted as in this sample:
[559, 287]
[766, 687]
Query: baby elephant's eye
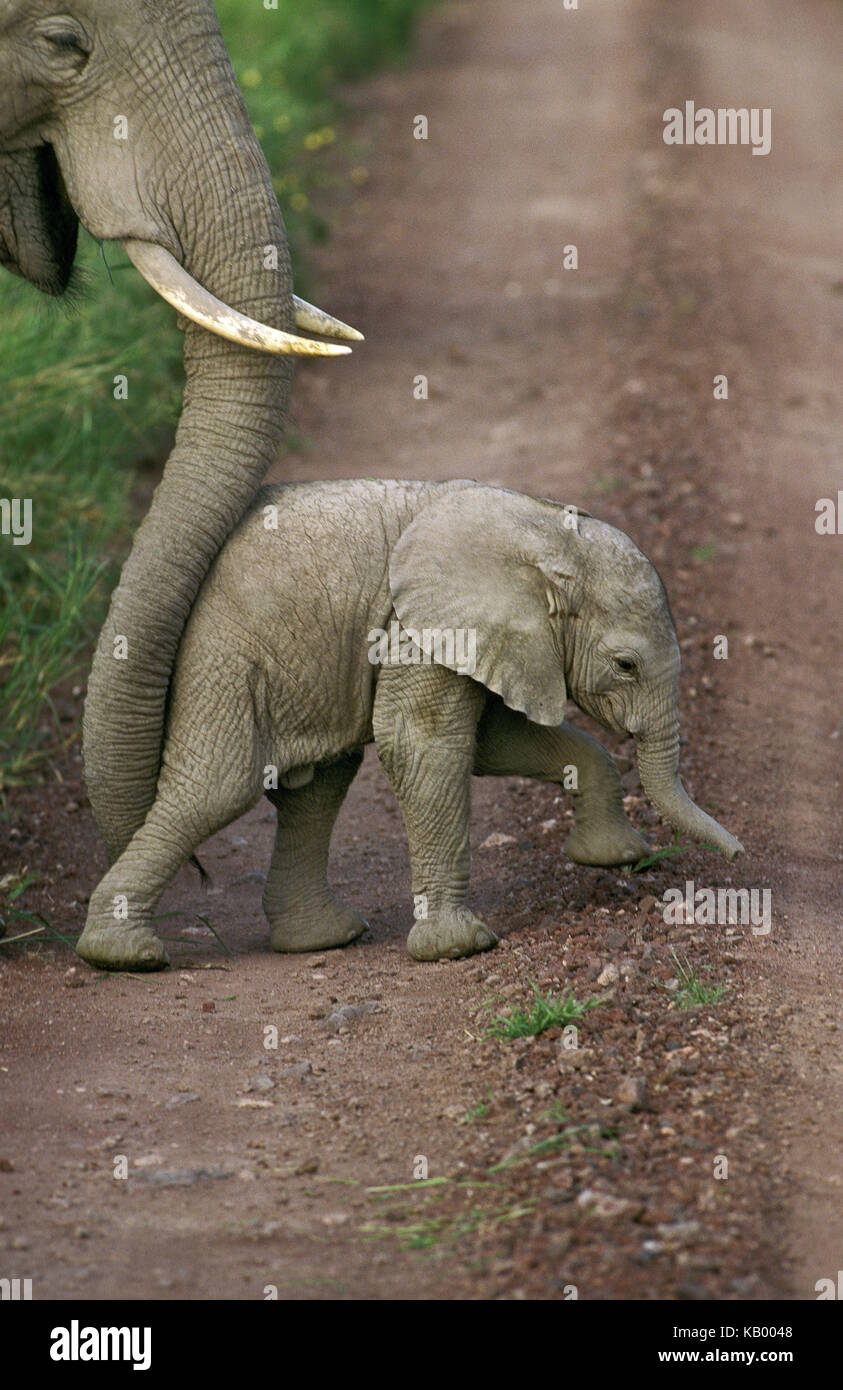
[625, 665]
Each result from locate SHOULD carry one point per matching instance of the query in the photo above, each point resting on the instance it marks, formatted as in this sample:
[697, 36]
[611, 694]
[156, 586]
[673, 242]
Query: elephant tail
[203, 872]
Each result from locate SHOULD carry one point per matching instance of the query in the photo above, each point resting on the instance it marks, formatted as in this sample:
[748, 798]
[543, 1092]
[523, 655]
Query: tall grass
[66, 442]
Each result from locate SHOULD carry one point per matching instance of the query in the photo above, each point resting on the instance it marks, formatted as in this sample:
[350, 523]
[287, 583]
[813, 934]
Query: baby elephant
[448, 622]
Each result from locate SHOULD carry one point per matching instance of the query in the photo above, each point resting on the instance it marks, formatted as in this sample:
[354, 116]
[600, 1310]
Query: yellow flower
[313, 140]
[281, 122]
[328, 134]
[251, 78]
[299, 202]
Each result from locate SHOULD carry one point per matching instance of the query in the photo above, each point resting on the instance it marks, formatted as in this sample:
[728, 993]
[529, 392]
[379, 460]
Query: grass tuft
[692, 992]
[546, 1012]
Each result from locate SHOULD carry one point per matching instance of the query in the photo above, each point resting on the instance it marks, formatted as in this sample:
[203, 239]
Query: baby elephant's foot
[451, 932]
[315, 928]
[114, 945]
[605, 844]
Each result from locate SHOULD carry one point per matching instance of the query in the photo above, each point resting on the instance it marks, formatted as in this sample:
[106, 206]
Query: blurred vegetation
[64, 441]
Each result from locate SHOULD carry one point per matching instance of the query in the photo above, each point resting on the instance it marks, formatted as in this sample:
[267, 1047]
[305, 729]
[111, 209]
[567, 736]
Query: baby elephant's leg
[509, 744]
[425, 720]
[120, 932]
[302, 912]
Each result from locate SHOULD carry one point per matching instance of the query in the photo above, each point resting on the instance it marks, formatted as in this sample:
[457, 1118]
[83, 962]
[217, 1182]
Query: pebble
[262, 1083]
[497, 840]
[633, 1092]
[679, 1230]
[609, 975]
[349, 1013]
[298, 1069]
[184, 1177]
[183, 1098]
[603, 1204]
[308, 1165]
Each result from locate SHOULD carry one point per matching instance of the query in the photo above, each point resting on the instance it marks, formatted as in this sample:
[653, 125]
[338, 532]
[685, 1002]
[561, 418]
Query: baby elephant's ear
[465, 577]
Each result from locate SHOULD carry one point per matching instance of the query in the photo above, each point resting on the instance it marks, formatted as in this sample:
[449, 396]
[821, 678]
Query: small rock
[209, 1006]
[184, 1177]
[648, 903]
[20, 1243]
[609, 975]
[298, 1070]
[307, 1165]
[497, 840]
[615, 939]
[262, 1083]
[72, 979]
[183, 1098]
[350, 1013]
[6, 1165]
[633, 1092]
[679, 1230]
[603, 1204]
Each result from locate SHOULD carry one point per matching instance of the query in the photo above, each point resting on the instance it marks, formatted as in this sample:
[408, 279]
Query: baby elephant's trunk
[658, 767]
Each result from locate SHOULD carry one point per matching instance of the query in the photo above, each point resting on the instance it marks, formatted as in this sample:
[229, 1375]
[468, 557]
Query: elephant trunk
[232, 241]
[658, 768]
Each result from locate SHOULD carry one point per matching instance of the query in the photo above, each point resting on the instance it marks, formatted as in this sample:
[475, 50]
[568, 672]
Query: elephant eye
[65, 36]
[624, 664]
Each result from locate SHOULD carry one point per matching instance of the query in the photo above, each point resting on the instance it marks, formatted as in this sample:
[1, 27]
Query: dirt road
[250, 1166]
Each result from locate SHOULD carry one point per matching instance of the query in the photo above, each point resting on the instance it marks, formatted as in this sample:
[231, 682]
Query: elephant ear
[503, 567]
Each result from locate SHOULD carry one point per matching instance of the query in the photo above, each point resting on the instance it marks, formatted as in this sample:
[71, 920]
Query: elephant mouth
[174, 284]
[38, 224]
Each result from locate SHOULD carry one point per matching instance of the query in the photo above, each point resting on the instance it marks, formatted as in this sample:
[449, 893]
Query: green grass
[546, 1012]
[692, 992]
[705, 552]
[65, 442]
[669, 852]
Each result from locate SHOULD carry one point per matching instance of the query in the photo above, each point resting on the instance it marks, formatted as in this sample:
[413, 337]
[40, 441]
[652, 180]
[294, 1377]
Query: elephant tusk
[314, 320]
[173, 283]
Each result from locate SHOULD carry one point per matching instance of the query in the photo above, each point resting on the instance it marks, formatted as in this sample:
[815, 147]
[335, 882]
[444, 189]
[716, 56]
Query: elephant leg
[508, 744]
[425, 722]
[119, 932]
[302, 912]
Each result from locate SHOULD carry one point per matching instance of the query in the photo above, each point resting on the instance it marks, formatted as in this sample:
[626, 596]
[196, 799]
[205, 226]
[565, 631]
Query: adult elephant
[128, 118]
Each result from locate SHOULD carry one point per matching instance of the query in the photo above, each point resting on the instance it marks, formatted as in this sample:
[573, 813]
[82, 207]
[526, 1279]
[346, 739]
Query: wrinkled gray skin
[190, 178]
[274, 671]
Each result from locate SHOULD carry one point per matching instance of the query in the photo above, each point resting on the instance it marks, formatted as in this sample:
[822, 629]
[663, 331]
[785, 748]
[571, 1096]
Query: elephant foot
[451, 932]
[118, 946]
[604, 845]
[315, 928]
